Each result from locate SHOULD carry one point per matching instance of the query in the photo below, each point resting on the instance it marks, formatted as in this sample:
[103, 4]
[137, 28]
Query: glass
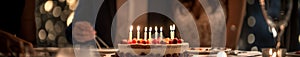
[278, 24]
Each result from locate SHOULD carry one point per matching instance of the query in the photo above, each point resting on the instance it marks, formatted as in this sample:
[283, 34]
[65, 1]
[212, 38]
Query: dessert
[152, 47]
[157, 48]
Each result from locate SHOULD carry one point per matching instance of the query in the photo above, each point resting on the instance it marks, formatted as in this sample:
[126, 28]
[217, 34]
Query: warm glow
[145, 29]
[299, 38]
[131, 27]
[161, 34]
[138, 33]
[70, 19]
[156, 32]
[138, 28]
[161, 28]
[130, 32]
[72, 4]
[145, 33]
[150, 29]
[174, 27]
[155, 28]
[171, 27]
[274, 54]
[270, 51]
[48, 6]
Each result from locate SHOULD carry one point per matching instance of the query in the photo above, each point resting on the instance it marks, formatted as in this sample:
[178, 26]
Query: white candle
[174, 27]
[173, 31]
[171, 28]
[150, 29]
[145, 33]
[270, 52]
[155, 32]
[161, 34]
[130, 33]
[138, 33]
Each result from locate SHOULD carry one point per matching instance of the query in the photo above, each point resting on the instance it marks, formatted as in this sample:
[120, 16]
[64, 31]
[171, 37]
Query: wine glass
[279, 24]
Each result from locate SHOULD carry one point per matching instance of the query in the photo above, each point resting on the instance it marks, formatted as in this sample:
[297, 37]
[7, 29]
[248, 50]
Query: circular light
[251, 21]
[51, 36]
[49, 26]
[42, 10]
[48, 6]
[56, 11]
[59, 27]
[62, 41]
[233, 27]
[250, 2]
[38, 21]
[251, 38]
[254, 48]
[42, 34]
[70, 19]
[64, 15]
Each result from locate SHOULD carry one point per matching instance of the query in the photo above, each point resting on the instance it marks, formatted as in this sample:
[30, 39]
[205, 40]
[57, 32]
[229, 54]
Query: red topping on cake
[134, 41]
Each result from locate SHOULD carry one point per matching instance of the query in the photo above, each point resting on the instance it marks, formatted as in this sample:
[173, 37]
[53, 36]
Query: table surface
[69, 52]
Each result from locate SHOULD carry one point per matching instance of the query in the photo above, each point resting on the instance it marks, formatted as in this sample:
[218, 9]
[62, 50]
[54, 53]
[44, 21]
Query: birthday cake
[155, 49]
[152, 47]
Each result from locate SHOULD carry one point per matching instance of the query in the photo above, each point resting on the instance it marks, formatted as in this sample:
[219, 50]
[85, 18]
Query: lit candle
[270, 51]
[171, 28]
[138, 33]
[130, 33]
[161, 34]
[155, 32]
[145, 33]
[150, 29]
[173, 31]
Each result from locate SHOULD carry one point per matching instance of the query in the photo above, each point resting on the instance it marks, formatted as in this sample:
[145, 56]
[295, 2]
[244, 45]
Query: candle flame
[174, 27]
[171, 27]
[131, 27]
[145, 29]
[161, 28]
[155, 28]
[138, 33]
[138, 28]
[150, 28]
